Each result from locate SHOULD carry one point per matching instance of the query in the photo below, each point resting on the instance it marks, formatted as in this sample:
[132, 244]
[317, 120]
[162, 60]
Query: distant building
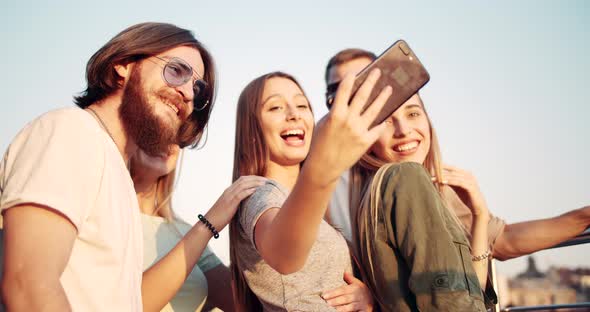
[533, 287]
[578, 279]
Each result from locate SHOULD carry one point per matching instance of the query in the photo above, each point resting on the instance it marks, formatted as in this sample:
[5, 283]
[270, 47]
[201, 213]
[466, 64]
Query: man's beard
[151, 134]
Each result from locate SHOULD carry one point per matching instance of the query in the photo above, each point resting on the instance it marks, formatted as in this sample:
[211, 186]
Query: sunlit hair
[345, 56]
[165, 187]
[139, 42]
[250, 156]
[364, 201]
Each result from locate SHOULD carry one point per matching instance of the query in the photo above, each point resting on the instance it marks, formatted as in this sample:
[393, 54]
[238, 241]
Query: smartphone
[400, 69]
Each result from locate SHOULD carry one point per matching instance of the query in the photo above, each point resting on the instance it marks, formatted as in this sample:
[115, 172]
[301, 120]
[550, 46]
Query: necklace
[102, 124]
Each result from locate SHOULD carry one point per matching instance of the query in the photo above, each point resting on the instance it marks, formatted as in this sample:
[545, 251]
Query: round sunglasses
[176, 72]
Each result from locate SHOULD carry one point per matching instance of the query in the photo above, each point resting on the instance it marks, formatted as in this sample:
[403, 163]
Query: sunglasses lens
[201, 91]
[331, 93]
[332, 87]
[200, 87]
[177, 73]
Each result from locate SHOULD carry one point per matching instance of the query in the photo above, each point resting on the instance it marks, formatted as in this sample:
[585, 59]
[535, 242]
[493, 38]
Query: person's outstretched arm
[523, 238]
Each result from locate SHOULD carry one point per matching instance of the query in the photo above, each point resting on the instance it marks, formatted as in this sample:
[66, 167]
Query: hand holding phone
[400, 69]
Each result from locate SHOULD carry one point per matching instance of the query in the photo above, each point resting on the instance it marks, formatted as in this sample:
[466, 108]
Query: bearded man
[72, 229]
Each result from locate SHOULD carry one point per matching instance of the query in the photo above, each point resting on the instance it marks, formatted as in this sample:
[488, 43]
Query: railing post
[496, 307]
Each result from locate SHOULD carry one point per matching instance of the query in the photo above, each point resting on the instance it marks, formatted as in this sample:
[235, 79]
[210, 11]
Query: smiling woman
[287, 122]
[284, 256]
[401, 222]
[408, 134]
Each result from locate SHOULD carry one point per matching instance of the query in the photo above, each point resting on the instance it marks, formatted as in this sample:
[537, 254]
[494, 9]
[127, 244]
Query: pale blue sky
[507, 93]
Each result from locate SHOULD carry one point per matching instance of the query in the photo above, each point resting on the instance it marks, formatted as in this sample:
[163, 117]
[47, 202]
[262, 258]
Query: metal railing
[581, 239]
[570, 306]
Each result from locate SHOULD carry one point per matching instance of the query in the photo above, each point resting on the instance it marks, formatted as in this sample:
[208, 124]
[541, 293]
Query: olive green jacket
[421, 258]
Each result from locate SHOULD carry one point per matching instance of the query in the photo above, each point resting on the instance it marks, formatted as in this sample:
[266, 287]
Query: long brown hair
[135, 44]
[250, 156]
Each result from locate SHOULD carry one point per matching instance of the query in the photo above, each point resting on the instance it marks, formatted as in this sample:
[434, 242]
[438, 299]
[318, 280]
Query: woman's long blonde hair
[250, 156]
[365, 181]
[165, 186]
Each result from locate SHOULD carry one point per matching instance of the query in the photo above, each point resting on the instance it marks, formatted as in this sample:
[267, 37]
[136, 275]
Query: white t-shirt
[65, 161]
[159, 237]
[339, 207]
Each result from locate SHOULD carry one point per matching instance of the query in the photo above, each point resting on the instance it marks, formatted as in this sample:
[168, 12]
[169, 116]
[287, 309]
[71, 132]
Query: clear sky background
[508, 89]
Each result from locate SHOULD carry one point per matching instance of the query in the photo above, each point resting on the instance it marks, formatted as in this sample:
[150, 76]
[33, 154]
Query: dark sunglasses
[176, 72]
[331, 93]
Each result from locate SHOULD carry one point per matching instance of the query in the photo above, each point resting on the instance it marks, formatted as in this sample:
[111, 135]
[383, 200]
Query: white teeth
[173, 107]
[293, 132]
[407, 146]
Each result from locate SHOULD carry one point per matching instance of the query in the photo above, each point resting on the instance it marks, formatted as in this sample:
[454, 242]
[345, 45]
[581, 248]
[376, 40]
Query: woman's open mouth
[406, 148]
[293, 137]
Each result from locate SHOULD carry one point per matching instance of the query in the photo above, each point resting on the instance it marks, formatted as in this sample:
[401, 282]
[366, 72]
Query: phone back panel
[401, 69]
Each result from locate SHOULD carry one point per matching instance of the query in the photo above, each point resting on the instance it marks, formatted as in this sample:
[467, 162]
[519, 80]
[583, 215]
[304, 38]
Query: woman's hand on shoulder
[227, 204]
[355, 296]
[344, 134]
[466, 186]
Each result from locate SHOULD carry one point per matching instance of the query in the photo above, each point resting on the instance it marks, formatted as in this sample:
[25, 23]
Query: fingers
[373, 110]
[454, 180]
[351, 301]
[242, 194]
[245, 182]
[364, 92]
[251, 178]
[375, 132]
[352, 297]
[456, 177]
[336, 292]
[249, 181]
[342, 299]
[342, 97]
[451, 168]
[359, 101]
[448, 169]
[243, 187]
[350, 279]
[354, 306]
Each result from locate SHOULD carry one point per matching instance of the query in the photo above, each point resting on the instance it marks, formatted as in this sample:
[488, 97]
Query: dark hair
[139, 42]
[345, 56]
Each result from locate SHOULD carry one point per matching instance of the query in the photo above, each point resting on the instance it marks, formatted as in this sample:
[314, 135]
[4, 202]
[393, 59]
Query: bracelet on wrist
[208, 225]
[483, 256]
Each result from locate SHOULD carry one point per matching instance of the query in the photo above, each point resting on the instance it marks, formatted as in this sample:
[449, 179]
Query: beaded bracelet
[209, 226]
[483, 256]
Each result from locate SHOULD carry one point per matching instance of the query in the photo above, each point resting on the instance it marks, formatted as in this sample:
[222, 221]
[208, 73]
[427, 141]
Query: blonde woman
[459, 189]
[414, 252]
[194, 274]
[285, 257]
